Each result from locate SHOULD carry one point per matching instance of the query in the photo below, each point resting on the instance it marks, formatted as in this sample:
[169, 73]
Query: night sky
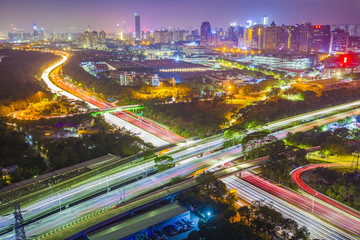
[59, 15]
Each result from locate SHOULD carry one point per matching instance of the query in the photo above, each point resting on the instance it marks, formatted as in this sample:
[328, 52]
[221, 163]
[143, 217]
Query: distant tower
[205, 34]
[137, 26]
[19, 223]
[265, 20]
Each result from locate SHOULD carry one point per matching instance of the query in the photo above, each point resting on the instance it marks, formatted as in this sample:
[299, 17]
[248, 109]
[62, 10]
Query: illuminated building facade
[320, 38]
[205, 34]
[137, 26]
[285, 61]
[339, 41]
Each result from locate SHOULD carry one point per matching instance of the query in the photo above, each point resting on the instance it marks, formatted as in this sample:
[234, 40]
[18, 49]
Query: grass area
[189, 119]
[316, 157]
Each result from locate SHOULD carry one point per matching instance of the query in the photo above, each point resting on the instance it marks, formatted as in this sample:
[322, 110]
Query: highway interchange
[187, 155]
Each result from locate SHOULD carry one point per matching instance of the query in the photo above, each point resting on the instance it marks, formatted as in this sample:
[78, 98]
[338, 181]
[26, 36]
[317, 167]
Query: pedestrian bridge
[115, 109]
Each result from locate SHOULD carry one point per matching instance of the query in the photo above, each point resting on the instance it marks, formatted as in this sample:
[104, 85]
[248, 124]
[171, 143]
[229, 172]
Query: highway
[149, 127]
[102, 181]
[57, 199]
[331, 215]
[318, 228]
[56, 89]
[145, 135]
[131, 190]
[296, 177]
[68, 92]
[188, 166]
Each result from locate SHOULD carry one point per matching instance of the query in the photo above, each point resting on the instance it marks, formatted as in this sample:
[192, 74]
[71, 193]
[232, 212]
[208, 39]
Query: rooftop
[138, 223]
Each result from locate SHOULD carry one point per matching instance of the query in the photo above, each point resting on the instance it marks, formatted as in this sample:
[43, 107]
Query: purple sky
[59, 15]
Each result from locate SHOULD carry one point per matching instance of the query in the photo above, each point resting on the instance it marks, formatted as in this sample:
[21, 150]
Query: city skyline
[83, 13]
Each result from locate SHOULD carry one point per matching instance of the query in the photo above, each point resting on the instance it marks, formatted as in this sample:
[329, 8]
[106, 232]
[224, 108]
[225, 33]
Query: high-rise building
[137, 26]
[339, 41]
[292, 33]
[270, 37]
[265, 20]
[102, 37]
[304, 37]
[281, 39]
[205, 34]
[253, 37]
[320, 38]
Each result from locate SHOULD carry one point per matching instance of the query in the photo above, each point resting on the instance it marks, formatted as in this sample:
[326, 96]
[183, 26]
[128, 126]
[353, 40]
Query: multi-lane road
[318, 228]
[296, 177]
[188, 163]
[329, 214]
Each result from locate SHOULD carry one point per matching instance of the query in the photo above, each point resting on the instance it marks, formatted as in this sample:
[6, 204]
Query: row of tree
[20, 73]
[227, 221]
[341, 186]
[276, 108]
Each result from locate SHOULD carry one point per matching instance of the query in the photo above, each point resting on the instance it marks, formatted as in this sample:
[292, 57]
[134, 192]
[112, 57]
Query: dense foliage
[20, 72]
[69, 151]
[331, 142]
[227, 221]
[282, 159]
[344, 187]
[14, 149]
[188, 120]
[277, 108]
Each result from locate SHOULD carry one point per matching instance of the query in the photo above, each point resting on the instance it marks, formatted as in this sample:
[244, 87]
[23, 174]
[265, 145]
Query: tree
[274, 92]
[164, 162]
[254, 140]
[211, 185]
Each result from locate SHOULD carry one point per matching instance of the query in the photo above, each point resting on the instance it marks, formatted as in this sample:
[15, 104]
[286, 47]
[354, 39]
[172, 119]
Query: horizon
[81, 14]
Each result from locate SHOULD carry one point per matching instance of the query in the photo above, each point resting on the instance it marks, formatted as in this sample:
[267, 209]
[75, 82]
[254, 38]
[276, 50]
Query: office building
[339, 41]
[320, 38]
[292, 41]
[265, 20]
[270, 37]
[137, 26]
[253, 37]
[285, 61]
[205, 34]
[304, 37]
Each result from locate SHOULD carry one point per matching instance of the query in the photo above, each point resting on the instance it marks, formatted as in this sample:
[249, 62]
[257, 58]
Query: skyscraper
[137, 26]
[205, 34]
[339, 41]
[320, 38]
[265, 20]
[292, 38]
[270, 35]
[304, 37]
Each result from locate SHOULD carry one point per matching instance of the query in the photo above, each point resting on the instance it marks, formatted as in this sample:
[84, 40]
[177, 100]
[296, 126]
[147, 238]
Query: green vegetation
[48, 154]
[60, 106]
[19, 77]
[20, 72]
[331, 142]
[258, 71]
[189, 120]
[14, 149]
[343, 187]
[282, 159]
[276, 108]
[221, 218]
[69, 151]
[163, 162]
